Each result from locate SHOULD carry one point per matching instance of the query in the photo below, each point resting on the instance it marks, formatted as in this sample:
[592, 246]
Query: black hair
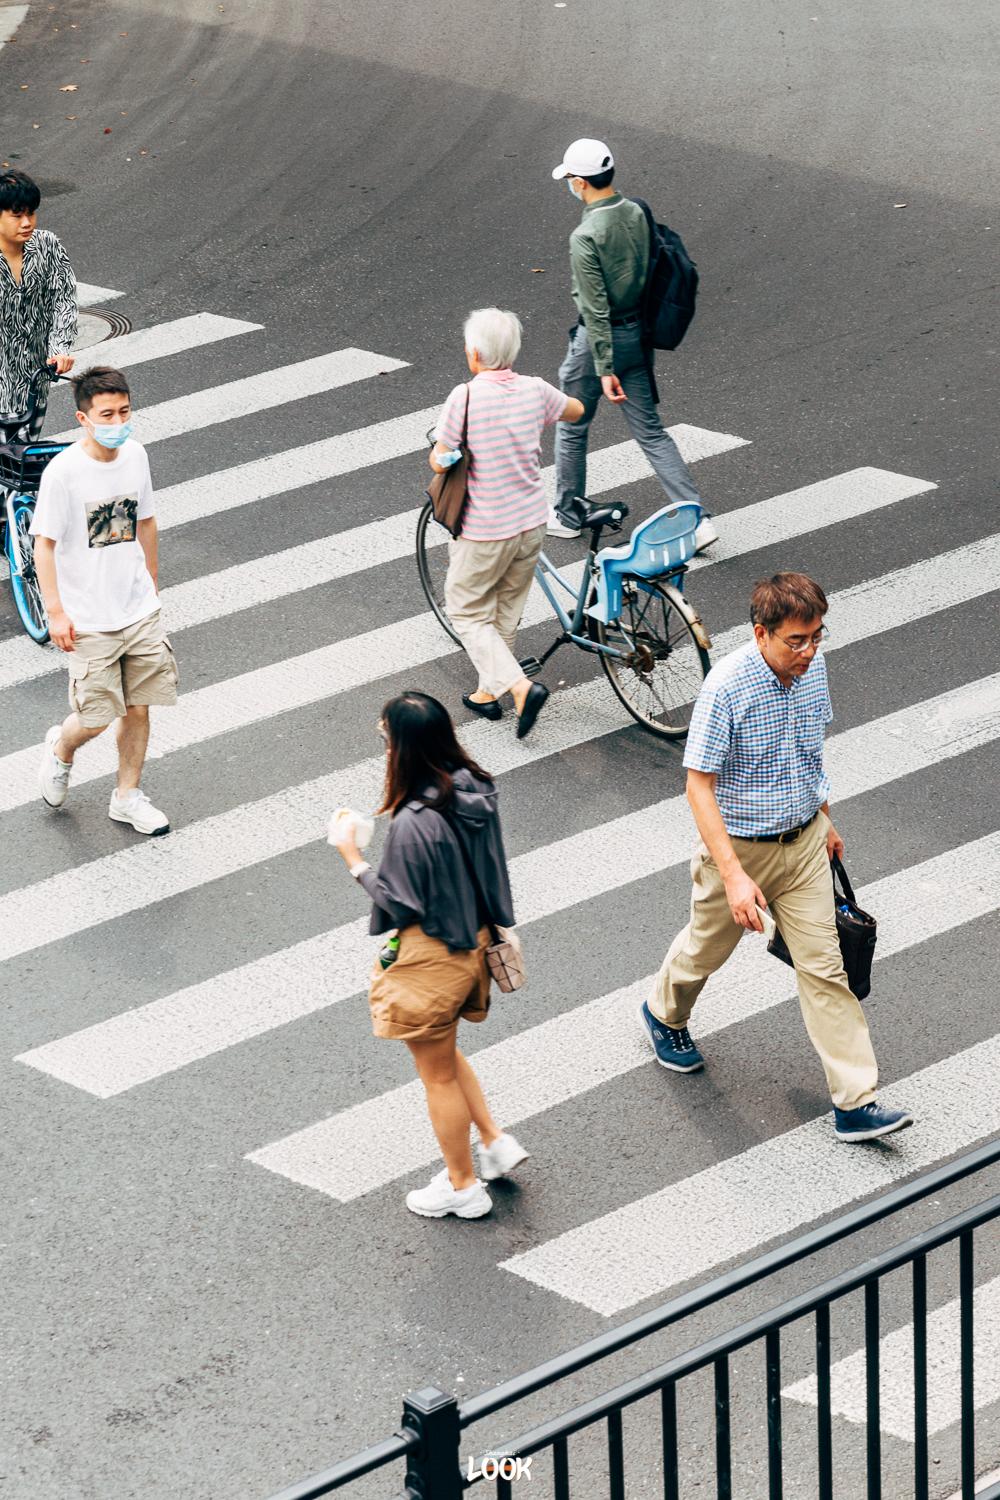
[602, 179]
[18, 192]
[423, 752]
[100, 380]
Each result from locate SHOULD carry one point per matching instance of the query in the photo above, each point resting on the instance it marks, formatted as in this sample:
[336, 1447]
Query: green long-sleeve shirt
[608, 257]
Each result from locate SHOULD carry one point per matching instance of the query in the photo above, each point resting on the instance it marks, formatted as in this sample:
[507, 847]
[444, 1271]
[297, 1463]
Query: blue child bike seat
[658, 546]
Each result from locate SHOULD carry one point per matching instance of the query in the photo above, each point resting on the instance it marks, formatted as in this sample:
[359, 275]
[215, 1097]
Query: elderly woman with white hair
[493, 561]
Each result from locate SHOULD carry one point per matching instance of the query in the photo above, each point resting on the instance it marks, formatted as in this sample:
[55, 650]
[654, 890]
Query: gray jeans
[577, 377]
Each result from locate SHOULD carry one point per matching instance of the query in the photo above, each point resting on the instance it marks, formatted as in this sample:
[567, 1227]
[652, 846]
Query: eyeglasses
[812, 643]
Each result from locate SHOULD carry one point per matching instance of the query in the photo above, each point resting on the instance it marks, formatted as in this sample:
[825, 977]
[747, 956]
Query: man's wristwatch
[358, 868]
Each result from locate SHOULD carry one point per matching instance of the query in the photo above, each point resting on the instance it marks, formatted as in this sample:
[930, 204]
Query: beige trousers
[484, 596]
[795, 880]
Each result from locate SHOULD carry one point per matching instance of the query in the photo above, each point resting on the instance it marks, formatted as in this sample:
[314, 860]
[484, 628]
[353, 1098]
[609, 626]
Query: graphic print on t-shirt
[111, 521]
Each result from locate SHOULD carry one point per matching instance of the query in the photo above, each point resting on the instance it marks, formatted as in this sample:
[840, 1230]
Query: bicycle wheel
[24, 585]
[432, 565]
[662, 665]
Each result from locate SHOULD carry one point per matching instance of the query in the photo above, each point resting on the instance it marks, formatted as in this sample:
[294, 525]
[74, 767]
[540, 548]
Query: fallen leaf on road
[900, 205]
[538, 270]
[107, 130]
[70, 117]
[68, 88]
[24, 85]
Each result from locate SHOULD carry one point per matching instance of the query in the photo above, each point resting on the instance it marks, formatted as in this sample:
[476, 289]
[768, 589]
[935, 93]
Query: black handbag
[856, 929]
[449, 492]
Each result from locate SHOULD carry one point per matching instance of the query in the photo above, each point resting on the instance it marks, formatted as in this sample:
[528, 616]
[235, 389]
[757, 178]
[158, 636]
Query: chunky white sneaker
[53, 773]
[502, 1157]
[705, 534]
[557, 526]
[136, 808]
[439, 1198]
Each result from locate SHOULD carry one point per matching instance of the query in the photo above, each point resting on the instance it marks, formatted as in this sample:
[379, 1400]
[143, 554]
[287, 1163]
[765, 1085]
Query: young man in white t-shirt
[96, 561]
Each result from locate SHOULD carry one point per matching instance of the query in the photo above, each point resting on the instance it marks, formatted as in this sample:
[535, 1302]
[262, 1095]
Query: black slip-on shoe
[484, 710]
[537, 694]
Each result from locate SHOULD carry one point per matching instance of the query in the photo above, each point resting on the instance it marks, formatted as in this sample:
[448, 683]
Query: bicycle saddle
[592, 516]
[660, 545]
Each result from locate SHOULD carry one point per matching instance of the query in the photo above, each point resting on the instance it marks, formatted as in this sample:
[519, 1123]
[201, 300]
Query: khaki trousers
[795, 879]
[484, 595]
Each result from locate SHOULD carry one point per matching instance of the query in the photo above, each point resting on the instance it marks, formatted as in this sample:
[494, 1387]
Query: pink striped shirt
[507, 413]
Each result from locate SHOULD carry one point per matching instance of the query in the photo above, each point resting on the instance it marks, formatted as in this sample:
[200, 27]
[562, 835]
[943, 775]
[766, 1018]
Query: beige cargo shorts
[112, 670]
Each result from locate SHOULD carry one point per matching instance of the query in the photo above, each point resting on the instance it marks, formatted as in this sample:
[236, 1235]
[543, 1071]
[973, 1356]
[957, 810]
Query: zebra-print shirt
[38, 318]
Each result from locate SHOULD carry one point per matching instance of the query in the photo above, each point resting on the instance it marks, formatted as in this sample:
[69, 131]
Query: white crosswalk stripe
[94, 296]
[168, 1033]
[255, 393]
[176, 337]
[361, 1149]
[329, 670]
[610, 1262]
[723, 1213]
[11, 17]
[944, 1387]
[311, 564]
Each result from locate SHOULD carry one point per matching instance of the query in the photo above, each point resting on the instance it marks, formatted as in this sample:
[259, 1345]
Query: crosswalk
[557, 1061]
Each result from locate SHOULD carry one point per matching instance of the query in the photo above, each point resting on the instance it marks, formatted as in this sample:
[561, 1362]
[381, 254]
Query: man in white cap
[609, 258]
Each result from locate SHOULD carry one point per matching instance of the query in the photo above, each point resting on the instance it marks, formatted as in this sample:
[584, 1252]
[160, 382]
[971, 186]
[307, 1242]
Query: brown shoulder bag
[449, 492]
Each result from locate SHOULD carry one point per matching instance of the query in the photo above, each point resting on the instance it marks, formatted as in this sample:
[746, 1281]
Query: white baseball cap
[585, 158]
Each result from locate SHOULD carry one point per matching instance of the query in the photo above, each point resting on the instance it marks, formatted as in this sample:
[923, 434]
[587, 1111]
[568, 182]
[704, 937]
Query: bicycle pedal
[530, 666]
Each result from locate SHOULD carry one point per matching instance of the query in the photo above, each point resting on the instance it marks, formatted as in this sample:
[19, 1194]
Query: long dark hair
[423, 752]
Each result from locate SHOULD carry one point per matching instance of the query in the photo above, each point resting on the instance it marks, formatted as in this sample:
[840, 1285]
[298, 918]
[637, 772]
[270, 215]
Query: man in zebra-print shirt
[38, 314]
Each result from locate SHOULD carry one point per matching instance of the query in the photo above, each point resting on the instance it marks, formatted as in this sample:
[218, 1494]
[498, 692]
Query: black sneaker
[672, 1044]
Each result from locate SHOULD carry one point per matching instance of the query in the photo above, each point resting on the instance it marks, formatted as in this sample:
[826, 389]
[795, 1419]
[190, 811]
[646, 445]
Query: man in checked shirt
[758, 791]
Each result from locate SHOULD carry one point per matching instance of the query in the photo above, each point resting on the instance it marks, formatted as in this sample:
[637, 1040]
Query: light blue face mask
[576, 195]
[110, 434]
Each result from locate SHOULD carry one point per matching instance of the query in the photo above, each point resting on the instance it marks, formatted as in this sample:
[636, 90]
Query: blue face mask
[576, 195]
[110, 434]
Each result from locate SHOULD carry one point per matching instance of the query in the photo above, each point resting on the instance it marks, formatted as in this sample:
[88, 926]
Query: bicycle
[630, 602]
[21, 467]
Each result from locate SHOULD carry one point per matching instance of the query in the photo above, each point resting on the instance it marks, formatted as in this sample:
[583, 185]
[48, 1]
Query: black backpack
[671, 286]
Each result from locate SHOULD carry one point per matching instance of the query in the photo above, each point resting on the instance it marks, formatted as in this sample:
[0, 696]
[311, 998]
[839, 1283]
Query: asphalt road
[183, 1323]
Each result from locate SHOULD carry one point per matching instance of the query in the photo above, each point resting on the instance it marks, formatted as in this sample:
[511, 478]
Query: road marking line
[162, 339]
[311, 564]
[11, 17]
[94, 296]
[732, 1209]
[944, 1387]
[379, 1140]
[178, 1029]
[330, 670]
[255, 393]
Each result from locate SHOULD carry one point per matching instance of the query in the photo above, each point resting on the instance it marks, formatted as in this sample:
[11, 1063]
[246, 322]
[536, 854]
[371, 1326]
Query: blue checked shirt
[763, 741]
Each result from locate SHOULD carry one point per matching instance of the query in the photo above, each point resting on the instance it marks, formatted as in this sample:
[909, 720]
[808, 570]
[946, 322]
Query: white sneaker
[136, 808]
[705, 534]
[439, 1198]
[502, 1157]
[557, 527]
[53, 773]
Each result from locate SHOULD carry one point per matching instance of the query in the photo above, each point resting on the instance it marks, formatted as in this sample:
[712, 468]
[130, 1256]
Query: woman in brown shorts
[436, 796]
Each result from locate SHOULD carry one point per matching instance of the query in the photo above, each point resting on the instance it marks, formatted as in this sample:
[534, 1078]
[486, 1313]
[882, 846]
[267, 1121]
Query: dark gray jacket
[422, 877]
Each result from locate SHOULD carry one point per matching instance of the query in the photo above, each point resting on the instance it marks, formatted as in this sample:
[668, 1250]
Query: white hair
[495, 335]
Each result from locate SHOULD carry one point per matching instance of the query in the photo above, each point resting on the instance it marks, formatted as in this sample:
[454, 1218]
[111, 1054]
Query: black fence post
[432, 1470]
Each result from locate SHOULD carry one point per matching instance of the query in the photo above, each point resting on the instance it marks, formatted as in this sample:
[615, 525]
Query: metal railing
[433, 1421]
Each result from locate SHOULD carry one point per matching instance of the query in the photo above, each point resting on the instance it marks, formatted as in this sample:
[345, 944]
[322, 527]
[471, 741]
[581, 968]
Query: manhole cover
[96, 325]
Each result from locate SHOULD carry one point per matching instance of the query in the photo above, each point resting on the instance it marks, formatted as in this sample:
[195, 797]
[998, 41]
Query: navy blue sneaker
[672, 1044]
[869, 1121]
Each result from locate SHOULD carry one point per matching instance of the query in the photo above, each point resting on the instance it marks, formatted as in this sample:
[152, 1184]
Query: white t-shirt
[91, 510]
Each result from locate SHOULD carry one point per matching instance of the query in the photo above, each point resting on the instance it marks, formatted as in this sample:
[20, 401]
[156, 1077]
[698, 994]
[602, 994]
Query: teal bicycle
[626, 605]
[22, 464]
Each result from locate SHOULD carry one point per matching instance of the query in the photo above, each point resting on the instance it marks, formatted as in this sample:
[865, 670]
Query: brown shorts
[112, 670]
[428, 988]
